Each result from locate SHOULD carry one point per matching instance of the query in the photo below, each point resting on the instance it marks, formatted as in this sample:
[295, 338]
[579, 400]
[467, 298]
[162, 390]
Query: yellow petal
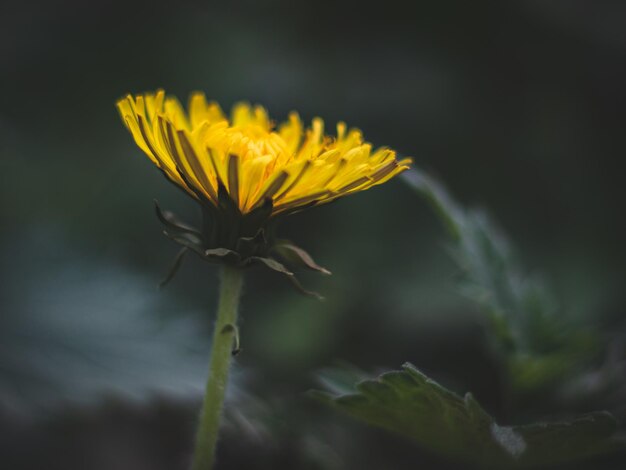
[293, 166]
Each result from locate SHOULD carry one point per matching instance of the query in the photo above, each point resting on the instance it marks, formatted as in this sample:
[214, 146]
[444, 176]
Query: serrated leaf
[409, 403]
[538, 343]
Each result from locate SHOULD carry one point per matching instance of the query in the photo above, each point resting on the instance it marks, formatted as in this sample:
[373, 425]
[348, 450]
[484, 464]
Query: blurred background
[517, 106]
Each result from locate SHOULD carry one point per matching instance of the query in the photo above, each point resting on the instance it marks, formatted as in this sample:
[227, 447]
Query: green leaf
[409, 403]
[539, 343]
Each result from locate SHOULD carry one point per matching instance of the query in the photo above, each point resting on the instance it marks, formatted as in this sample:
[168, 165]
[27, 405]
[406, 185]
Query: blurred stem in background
[221, 353]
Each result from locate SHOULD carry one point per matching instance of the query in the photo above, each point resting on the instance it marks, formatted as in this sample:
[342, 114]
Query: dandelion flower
[254, 160]
[246, 173]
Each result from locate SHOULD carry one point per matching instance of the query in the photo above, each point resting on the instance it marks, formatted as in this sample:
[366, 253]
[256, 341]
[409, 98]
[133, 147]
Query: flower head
[245, 171]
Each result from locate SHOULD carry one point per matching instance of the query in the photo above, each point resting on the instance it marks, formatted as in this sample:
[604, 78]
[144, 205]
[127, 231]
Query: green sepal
[257, 218]
[223, 254]
[300, 288]
[178, 260]
[280, 268]
[297, 255]
[236, 239]
[186, 240]
[225, 202]
[252, 246]
[227, 223]
[272, 264]
[172, 223]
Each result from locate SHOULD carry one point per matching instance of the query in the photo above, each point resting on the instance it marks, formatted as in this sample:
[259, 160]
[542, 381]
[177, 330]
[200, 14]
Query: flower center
[249, 142]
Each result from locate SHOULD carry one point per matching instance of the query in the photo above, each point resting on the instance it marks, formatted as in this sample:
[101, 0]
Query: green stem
[221, 353]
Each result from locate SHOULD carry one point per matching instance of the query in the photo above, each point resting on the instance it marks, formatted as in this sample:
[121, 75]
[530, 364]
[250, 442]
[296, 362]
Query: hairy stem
[221, 352]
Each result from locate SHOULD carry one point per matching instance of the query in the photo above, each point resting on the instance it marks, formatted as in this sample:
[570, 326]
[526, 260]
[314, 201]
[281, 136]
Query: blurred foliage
[540, 346]
[409, 403]
[88, 328]
[540, 343]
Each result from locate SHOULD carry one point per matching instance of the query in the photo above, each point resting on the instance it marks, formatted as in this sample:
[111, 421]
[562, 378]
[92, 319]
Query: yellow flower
[246, 173]
[253, 160]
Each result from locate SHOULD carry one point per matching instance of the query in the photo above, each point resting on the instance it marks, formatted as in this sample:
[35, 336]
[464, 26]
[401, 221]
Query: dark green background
[517, 106]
